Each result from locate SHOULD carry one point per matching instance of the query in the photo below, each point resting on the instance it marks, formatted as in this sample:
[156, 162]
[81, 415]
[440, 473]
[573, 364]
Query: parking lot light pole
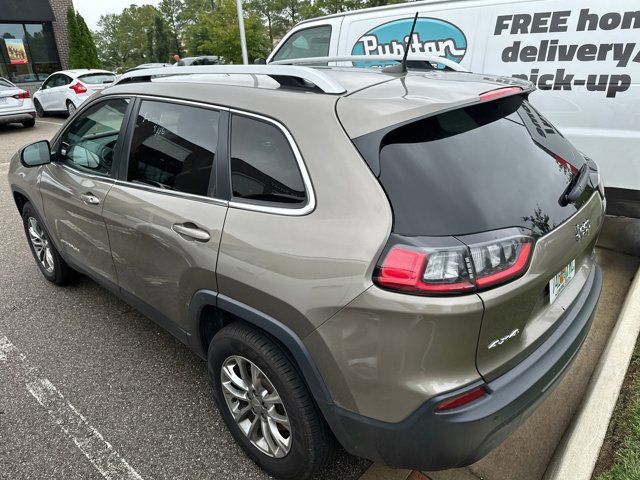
[243, 39]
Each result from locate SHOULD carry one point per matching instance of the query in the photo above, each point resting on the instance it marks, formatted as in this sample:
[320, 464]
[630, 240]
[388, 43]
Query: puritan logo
[431, 36]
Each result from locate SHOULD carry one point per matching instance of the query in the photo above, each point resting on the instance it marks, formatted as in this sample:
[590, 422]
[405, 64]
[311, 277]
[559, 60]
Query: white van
[584, 57]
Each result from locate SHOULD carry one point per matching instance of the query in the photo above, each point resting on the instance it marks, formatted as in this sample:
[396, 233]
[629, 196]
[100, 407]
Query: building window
[28, 52]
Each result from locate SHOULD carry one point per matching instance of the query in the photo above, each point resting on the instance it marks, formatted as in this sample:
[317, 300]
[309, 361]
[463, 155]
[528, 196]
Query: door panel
[76, 219]
[155, 262]
[75, 185]
[163, 227]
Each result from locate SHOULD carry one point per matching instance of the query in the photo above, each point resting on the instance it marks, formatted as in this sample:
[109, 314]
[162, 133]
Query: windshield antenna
[402, 66]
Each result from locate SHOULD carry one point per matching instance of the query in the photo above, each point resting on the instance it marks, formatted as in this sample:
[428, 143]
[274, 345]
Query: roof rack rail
[372, 58]
[285, 75]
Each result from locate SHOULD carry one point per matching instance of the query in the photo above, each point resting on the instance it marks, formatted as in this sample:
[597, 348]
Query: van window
[174, 147]
[310, 42]
[264, 169]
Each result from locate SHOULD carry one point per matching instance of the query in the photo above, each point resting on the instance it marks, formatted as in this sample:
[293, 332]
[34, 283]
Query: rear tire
[47, 258]
[71, 108]
[39, 110]
[29, 123]
[308, 443]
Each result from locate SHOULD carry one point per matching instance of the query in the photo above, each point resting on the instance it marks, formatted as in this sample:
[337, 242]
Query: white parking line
[88, 440]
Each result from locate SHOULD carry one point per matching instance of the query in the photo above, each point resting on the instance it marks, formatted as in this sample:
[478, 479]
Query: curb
[578, 451]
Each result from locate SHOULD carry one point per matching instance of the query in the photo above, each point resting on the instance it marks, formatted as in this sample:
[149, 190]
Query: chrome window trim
[193, 103]
[173, 193]
[75, 171]
[306, 179]
[242, 205]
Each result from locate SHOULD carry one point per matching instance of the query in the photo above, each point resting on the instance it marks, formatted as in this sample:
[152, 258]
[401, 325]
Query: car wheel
[39, 110]
[49, 261]
[266, 405]
[71, 108]
[29, 123]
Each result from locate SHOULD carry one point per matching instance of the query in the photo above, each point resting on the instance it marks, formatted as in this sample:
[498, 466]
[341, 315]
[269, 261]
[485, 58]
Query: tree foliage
[124, 39]
[219, 34]
[82, 49]
[194, 27]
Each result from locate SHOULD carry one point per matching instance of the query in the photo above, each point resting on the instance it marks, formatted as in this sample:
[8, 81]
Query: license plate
[560, 280]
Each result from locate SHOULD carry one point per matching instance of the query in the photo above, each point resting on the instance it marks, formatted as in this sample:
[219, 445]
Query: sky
[92, 9]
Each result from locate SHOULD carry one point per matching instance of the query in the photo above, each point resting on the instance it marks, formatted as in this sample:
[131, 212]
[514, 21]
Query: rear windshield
[4, 85]
[493, 165]
[97, 78]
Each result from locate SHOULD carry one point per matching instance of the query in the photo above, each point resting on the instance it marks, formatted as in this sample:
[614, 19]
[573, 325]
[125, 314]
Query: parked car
[66, 90]
[201, 60]
[16, 105]
[400, 261]
[591, 98]
[147, 65]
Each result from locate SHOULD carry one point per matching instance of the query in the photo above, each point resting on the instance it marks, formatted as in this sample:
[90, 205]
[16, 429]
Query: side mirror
[36, 154]
[260, 61]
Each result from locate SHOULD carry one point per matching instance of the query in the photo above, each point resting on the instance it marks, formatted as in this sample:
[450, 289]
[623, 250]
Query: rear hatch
[96, 82]
[486, 172]
[8, 96]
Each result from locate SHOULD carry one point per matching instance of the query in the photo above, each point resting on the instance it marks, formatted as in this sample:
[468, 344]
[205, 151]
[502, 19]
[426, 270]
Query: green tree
[122, 38]
[171, 11]
[73, 37]
[89, 50]
[82, 48]
[161, 46]
[271, 13]
[218, 33]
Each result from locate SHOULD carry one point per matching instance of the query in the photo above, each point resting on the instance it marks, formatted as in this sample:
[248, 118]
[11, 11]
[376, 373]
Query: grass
[620, 455]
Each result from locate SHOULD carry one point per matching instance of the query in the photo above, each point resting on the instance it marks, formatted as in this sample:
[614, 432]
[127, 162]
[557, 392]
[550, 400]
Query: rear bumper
[432, 441]
[17, 117]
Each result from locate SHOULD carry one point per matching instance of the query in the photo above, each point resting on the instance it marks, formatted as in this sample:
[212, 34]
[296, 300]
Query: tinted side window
[263, 166]
[174, 147]
[310, 42]
[89, 142]
[49, 82]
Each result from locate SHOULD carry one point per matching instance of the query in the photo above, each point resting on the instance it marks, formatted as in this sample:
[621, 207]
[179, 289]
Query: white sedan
[64, 91]
[16, 105]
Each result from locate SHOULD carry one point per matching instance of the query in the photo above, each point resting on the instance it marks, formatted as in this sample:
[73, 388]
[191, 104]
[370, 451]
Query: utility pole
[243, 39]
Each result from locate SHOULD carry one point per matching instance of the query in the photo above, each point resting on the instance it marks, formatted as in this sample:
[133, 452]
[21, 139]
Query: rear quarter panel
[301, 270]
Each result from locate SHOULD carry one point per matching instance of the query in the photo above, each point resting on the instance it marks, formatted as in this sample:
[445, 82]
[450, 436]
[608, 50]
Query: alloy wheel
[256, 406]
[71, 108]
[41, 244]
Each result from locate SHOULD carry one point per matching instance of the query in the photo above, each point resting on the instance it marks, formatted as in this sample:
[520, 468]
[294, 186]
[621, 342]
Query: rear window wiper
[576, 187]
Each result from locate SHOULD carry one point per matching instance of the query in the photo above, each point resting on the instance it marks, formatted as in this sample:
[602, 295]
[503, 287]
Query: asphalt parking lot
[89, 388]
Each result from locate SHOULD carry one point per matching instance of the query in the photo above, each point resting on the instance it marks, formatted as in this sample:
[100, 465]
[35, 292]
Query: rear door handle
[89, 199]
[190, 230]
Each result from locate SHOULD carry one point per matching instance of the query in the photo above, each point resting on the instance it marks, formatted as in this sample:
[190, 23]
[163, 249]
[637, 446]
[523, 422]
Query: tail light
[78, 88]
[461, 400]
[441, 265]
[22, 95]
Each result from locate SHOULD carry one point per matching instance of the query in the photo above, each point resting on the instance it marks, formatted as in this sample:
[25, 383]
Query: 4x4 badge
[582, 229]
[500, 341]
